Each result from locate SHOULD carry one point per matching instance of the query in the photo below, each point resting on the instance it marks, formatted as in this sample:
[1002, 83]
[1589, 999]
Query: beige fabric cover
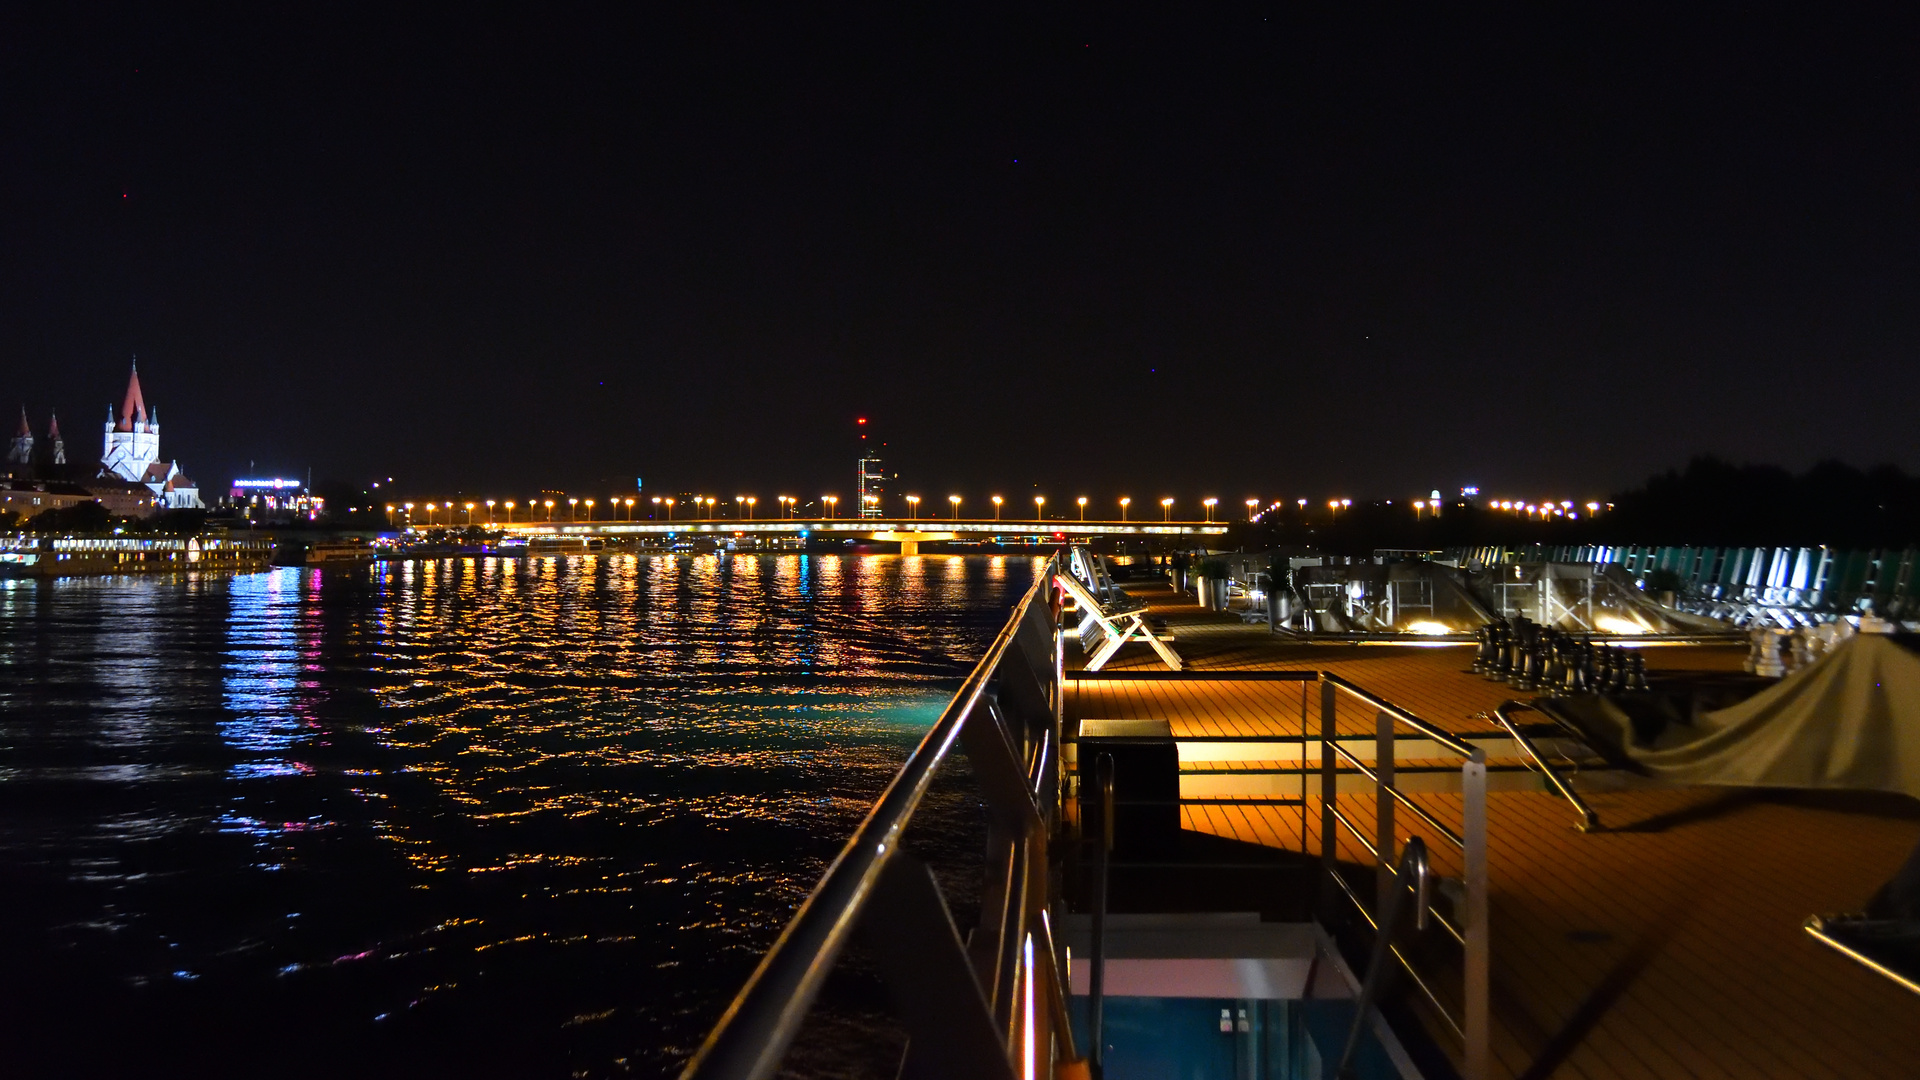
[1850, 720]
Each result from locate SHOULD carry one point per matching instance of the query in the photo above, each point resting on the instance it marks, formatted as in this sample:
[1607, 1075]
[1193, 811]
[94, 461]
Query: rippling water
[458, 818]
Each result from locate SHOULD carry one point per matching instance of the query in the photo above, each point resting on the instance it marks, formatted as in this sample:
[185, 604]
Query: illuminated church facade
[131, 452]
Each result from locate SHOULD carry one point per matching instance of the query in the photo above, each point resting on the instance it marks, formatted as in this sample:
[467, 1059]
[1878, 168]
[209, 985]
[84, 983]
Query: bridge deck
[1667, 945]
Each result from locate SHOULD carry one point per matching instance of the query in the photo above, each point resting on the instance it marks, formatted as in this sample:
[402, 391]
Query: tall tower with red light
[869, 475]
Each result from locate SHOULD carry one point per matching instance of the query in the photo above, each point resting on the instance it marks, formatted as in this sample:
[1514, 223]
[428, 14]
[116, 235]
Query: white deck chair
[1104, 628]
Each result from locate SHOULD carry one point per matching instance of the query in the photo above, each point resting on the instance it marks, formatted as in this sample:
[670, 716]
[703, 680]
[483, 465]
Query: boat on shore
[80, 556]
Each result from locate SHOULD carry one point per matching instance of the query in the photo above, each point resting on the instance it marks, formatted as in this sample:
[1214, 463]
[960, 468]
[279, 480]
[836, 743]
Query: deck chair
[1091, 571]
[1106, 627]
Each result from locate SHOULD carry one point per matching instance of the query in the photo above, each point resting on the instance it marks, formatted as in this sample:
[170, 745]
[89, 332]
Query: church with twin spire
[133, 478]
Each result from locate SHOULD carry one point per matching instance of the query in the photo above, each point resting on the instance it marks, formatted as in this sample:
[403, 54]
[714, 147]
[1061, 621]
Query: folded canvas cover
[1850, 720]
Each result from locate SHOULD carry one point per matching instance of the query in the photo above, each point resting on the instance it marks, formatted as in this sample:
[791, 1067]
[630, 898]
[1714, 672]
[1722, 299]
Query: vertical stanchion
[1329, 842]
[1383, 808]
[1473, 787]
[1097, 976]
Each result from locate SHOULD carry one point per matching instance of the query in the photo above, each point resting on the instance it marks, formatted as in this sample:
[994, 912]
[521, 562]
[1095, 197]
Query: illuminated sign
[274, 484]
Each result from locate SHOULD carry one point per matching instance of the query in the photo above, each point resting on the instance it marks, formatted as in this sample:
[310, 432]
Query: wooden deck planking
[1668, 945]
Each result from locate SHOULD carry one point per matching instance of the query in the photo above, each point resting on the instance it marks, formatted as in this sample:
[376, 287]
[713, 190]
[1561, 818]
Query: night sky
[1222, 250]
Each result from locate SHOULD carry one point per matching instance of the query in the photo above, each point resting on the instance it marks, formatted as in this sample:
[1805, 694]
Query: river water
[471, 817]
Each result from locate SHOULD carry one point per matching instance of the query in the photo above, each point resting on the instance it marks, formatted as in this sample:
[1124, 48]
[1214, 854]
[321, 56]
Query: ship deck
[1667, 944]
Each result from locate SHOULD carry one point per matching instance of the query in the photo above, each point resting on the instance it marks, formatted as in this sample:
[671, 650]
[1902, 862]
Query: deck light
[1209, 504]
[955, 500]
[1166, 509]
[996, 508]
[1124, 503]
[1082, 500]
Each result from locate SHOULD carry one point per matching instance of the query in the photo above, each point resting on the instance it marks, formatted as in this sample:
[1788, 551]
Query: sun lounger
[1106, 627]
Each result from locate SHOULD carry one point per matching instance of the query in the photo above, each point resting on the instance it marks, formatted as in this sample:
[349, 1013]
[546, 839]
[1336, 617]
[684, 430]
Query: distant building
[274, 499]
[29, 459]
[870, 487]
[131, 453]
[20, 454]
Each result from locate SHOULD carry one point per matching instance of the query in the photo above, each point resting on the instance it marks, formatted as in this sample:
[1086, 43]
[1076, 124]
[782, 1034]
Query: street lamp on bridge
[1082, 500]
[1251, 504]
[996, 508]
[913, 507]
[1039, 507]
[509, 506]
[955, 500]
[833, 504]
[1166, 509]
[1210, 504]
[1124, 503]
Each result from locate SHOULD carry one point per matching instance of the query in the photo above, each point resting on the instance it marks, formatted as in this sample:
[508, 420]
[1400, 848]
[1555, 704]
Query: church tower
[21, 453]
[133, 440]
[53, 436]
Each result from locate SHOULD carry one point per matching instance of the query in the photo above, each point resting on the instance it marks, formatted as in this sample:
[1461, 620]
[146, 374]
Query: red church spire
[133, 411]
[24, 429]
[53, 425]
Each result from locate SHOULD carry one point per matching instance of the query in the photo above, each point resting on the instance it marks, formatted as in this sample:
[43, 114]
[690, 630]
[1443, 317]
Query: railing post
[1097, 976]
[1383, 747]
[1329, 782]
[1473, 788]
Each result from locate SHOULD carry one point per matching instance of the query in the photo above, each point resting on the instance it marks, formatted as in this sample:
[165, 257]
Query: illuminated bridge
[909, 534]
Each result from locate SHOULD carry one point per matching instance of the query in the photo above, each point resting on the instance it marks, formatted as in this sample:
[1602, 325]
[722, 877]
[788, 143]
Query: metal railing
[1589, 820]
[1468, 927]
[1413, 864]
[992, 1004]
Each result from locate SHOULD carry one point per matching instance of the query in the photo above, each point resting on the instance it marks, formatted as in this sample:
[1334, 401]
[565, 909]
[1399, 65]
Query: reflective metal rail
[993, 1004]
[1589, 820]
[985, 1006]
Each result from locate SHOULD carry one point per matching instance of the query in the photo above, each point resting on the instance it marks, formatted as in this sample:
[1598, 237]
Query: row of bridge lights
[1548, 508]
[544, 509]
[790, 507]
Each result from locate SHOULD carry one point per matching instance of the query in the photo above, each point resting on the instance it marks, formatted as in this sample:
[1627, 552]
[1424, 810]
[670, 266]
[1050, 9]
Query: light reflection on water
[478, 816]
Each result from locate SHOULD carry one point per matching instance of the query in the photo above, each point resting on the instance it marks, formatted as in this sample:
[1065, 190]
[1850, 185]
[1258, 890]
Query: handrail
[1444, 738]
[1413, 862]
[1473, 1026]
[1589, 820]
[753, 1034]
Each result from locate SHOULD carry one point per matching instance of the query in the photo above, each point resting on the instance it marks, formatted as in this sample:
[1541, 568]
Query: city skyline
[1324, 253]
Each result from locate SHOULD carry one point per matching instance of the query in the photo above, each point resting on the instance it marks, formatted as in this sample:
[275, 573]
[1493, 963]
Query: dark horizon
[1225, 253]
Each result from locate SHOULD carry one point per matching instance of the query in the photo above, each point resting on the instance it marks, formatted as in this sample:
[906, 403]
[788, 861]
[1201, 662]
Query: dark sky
[1221, 250]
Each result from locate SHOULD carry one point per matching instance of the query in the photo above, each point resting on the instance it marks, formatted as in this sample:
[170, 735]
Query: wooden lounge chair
[1106, 627]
